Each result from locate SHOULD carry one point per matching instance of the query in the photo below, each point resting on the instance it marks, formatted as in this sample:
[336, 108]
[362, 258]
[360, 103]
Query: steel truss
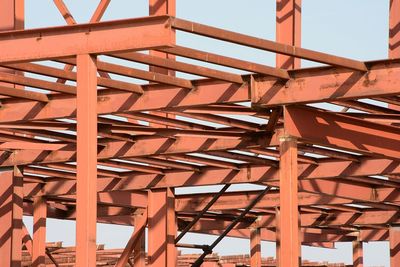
[95, 147]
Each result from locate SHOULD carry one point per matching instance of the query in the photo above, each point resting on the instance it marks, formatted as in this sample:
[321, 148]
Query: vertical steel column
[161, 228]
[358, 254]
[394, 34]
[288, 30]
[11, 210]
[39, 232]
[289, 237]
[162, 7]
[394, 240]
[255, 247]
[12, 17]
[394, 29]
[139, 258]
[86, 200]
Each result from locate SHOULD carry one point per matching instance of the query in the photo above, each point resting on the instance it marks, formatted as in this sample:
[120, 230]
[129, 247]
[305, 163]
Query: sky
[356, 29]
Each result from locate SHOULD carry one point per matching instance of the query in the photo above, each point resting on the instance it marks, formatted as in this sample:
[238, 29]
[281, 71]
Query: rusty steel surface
[86, 137]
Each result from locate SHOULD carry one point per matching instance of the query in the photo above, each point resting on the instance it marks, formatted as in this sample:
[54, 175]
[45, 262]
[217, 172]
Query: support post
[288, 244]
[358, 254]
[11, 210]
[288, 30]
[162, 7]
[394, 29]
[288, 238]
[39, 232]
[161, 228]
[12, 17]
[255, 247]
[394, 240]
[139, 252]
[86, 200]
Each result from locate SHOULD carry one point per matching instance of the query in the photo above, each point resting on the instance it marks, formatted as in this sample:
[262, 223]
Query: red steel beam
[288, 245]
[111, 101]
[210, 175]
[39, 232]
[142, 147]
[214, 92]
[11, 191]
[86, 203]
[181, 66]
[327, 84]
[48, 43]
[227, 61]
[266, 45]
[326, 128]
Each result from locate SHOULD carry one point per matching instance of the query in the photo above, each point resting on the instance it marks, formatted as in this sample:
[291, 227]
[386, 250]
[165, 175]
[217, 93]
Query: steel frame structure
[330, 176]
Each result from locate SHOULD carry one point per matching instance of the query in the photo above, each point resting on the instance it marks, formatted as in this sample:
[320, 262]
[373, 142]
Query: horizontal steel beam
[50, 43]
[326, 84]
[267, 45]
[329, 129]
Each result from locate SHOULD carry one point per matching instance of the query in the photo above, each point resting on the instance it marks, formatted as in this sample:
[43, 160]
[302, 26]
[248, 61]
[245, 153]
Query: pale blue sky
[350, 28]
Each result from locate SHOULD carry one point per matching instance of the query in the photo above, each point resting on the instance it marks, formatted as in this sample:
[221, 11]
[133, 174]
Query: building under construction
[88, 144]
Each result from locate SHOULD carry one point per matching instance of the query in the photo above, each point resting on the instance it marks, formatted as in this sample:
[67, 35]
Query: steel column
[11, 200]
[162, 7]
[358, 254]
[255, 247]
[139, 258]
[86, 200]
[394, 240]
[288, 30]
[394, 29]
[162, 228]
[288, 238]
[12, 17]
[140, 226]
[39, 232]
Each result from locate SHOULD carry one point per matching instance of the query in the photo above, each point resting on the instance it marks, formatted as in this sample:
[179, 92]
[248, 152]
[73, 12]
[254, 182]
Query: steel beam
[288, 240]
[266, 45]
[49, 43]
[11, 192]
[86, 202]
[327, 84]
[39, 232]
[329, 129]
